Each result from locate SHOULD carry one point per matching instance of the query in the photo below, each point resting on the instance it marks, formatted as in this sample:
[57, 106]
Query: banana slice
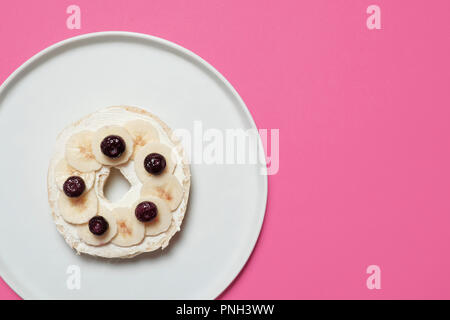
[162, 149]
[87, 236]
[130, 231]
[172, 192]
[142, 132]
[101, 134]
[78, 210]
[163, 218]
[79, 152]
[64, 171]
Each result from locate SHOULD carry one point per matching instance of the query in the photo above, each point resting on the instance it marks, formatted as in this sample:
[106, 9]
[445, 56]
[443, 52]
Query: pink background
[364, 126]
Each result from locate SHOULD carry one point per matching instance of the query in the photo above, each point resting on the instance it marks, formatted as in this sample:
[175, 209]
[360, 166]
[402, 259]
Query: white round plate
[76, 77]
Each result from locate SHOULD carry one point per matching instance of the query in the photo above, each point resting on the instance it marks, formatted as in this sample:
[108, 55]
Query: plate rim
[11, 282]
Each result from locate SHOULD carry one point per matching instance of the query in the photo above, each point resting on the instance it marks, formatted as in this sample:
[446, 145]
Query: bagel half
[125, 118]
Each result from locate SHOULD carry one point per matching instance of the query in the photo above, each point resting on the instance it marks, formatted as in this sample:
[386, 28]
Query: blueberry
[113, 146]
[98, 225]
[146, 211]
[154, 163]
[74, 186]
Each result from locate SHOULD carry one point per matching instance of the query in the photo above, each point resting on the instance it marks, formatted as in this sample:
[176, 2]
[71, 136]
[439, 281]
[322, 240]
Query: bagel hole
[116, 186]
